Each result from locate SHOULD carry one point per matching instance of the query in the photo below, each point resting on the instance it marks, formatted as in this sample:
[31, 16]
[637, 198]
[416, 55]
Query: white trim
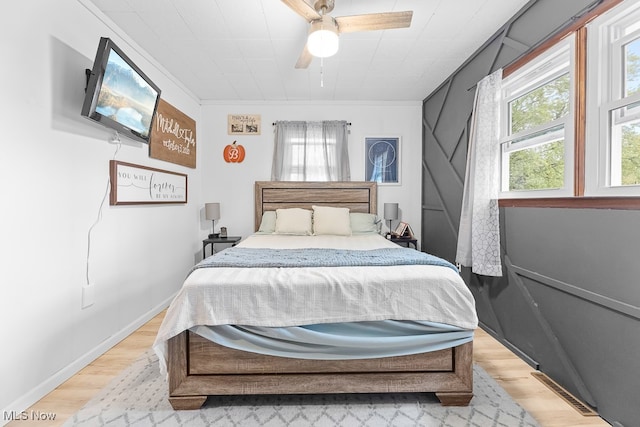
[37, 393]
[621, 102]
[542, 72]
[606, 37]
[535, 135]
[545, 68]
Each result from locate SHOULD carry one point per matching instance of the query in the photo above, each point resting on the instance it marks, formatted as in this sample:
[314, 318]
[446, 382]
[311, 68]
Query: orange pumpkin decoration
[234, 153]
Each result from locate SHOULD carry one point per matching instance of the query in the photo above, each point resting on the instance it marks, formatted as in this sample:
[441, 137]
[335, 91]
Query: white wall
[231, 184]
[54, 172]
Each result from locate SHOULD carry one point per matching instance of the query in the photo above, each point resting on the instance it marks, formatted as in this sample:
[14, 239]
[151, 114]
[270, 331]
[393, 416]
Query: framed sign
[173, 136]
[243, 124]
[382, 159]
[137, 185]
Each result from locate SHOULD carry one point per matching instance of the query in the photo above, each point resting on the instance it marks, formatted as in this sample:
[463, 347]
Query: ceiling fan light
[323, 38]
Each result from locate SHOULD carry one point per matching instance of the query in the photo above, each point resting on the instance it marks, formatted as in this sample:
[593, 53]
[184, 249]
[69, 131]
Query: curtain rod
[274, 123]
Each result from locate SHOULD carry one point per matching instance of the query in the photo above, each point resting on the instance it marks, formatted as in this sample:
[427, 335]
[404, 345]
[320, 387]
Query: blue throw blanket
[317, 257]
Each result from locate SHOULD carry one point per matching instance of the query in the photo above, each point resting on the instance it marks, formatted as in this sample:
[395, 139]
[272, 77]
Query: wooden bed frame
[199, 368]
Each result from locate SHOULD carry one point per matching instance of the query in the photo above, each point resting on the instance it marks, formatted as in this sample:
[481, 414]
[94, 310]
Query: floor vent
[565, 395]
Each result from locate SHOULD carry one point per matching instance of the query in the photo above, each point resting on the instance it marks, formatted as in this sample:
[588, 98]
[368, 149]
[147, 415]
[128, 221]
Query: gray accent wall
[569, 299]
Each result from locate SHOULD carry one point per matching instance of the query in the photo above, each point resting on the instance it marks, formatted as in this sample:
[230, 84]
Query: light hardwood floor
[507, 369]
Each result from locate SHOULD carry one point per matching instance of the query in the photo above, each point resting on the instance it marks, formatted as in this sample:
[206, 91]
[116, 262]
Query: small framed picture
[382, 159]
[243, 124]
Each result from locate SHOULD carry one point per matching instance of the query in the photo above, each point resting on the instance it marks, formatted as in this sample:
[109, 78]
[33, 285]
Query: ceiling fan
[324, 29]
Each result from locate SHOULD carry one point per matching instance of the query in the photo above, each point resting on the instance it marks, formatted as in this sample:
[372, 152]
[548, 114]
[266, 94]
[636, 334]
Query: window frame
[290, 136]
[604, 47]
[553, 63]
[577, 199]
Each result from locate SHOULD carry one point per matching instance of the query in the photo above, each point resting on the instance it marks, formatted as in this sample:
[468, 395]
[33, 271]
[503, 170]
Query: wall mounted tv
[119, 95]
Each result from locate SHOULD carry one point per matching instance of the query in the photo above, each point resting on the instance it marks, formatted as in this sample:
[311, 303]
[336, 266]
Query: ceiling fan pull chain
[321, 72]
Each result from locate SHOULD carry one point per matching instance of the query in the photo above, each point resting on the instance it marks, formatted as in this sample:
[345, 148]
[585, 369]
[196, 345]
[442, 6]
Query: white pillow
[328, 220]
[293, 221]
[268, 223]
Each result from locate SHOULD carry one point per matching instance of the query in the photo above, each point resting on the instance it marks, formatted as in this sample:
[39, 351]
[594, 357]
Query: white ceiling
[245, 50]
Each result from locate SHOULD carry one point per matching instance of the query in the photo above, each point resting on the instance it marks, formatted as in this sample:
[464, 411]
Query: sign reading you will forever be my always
[173, 138]
[135, 184]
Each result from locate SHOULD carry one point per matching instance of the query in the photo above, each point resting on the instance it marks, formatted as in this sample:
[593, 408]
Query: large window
[571, 115]
[311, 151]
[537, 126]
[613, 105]
[310, 156]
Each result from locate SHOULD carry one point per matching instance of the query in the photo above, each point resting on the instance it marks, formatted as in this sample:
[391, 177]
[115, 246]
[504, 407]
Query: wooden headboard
[358, 196]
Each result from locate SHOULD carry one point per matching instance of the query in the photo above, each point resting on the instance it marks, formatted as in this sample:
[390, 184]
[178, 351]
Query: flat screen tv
[119, 95]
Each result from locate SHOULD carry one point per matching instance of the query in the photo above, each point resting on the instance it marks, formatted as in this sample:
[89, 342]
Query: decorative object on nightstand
[403, 235]
[232, 240]
[390, 213]
[403, 230]
[212, 212]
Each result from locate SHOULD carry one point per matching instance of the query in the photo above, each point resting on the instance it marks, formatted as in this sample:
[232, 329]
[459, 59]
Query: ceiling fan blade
[305, 58]
[374, 21]
[303, 9]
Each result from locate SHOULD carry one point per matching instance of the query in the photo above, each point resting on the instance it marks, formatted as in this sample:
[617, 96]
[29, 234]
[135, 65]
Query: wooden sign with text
[173, 138]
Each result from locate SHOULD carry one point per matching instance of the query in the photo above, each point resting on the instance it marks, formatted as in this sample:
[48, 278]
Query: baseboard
[46, 387]
[515, 350]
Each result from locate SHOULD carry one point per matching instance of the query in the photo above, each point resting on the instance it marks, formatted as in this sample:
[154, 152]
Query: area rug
[138, 397]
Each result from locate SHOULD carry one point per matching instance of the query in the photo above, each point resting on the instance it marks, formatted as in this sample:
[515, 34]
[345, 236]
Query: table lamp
[390, 213]
[212, 212]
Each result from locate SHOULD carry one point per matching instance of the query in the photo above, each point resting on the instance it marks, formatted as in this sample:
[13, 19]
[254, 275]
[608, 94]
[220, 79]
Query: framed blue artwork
[382, 159]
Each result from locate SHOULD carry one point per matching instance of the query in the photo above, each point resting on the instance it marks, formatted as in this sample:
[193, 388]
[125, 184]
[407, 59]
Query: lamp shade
[212, 211]
[390, 211]
[323, 41]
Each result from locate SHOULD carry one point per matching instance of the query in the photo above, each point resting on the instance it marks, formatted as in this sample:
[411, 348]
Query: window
[590, 156]
[311, 151]
[308, 156]
[613, 105]
[537, 117]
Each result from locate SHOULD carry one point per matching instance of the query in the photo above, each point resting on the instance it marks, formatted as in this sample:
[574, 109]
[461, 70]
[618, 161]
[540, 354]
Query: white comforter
[301, 296]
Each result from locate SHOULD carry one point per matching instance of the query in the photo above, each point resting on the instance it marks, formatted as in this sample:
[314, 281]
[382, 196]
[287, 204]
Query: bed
[226, 297]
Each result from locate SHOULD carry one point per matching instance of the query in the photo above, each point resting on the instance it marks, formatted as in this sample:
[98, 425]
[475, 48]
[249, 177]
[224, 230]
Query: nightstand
[405, 241]
[232, 240]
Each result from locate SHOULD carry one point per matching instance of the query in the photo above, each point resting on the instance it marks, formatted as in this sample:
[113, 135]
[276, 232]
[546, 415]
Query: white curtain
[479, 232]
[311, 151]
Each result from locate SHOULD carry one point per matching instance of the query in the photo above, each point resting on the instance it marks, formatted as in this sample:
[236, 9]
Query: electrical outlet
[88, 295]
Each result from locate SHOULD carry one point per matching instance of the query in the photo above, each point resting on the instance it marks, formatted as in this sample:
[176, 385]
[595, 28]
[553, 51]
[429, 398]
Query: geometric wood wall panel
[520, 311]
